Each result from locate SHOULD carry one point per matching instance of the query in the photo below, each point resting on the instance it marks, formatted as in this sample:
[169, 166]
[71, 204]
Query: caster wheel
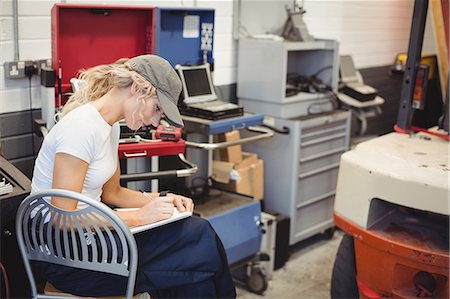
[257, 281]
[329, 233]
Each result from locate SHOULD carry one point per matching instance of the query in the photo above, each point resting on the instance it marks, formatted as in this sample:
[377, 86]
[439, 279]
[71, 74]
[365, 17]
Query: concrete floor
[307, 273]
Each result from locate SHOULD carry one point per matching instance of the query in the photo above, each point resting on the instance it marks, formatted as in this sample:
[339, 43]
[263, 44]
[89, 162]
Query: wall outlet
[41, 63]
[15, 69]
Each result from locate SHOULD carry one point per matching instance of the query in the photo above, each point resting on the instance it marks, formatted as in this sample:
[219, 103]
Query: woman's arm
[114, 194]
[118, 196]
[69, 173]
[148, 210]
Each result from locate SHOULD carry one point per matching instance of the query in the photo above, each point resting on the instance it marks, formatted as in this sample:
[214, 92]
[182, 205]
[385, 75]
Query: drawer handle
[141, 154]
[328, 130]
[316, 199]
[323, 154]
[323, 139]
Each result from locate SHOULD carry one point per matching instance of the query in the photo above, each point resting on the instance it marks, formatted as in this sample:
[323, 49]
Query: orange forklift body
[387, 263]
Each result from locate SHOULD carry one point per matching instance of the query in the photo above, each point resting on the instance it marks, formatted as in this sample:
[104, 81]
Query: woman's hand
[181, 202]
[155, 210]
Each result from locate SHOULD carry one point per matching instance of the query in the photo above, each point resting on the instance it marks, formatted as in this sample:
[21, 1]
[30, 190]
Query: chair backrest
[92, 238]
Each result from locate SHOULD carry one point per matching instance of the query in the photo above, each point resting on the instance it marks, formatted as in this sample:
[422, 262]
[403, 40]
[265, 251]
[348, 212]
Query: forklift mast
[419, 18]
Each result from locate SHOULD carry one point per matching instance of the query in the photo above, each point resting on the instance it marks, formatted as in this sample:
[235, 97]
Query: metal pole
[15, 8]
[405, 112]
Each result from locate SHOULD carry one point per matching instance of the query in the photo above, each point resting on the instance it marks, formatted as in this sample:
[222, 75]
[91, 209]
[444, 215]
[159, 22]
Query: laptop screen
[197, 82]
[347, 69]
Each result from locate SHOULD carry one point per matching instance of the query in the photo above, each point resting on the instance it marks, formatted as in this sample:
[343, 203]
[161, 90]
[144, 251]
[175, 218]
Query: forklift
[392, 199]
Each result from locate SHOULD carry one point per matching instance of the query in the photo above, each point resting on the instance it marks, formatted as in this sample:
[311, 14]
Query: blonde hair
[99, 80]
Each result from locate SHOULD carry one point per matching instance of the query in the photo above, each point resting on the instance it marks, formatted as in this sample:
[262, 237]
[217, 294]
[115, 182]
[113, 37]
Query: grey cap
[163, 77]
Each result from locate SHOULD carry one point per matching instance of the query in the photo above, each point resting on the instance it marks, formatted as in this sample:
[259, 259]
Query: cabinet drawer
[310, 218]
[312, 149]
[323, 130]
[322, 139]
[316, 183]
[320, 160]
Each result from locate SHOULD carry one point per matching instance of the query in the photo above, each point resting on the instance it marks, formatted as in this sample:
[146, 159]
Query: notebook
[200, 99]
[177, 215]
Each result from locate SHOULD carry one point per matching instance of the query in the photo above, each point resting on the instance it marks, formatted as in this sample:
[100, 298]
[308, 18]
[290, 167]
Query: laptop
[200, 99]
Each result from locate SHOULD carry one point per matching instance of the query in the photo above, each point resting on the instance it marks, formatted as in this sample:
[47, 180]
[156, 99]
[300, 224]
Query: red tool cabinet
[87, 35]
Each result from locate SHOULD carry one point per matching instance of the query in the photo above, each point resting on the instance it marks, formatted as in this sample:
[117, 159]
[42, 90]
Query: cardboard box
[245, 177]
[232, 153]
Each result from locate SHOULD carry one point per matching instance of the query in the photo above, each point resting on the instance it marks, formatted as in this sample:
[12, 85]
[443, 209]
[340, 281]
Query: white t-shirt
[82, 133]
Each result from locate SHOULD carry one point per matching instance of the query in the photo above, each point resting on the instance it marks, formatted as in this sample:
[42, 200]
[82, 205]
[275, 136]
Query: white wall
[34, 43]
[373, 31]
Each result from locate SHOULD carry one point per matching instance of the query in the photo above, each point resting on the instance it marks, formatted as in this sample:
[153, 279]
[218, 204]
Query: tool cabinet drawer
[323, 138]
[320, 160]
[316, 183]
[313, 217]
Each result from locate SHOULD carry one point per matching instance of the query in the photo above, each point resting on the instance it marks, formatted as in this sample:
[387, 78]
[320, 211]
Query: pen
[147, 195]
[163, 198]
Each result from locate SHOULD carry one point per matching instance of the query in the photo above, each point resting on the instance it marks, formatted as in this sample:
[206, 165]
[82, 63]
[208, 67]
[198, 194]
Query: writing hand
[156, 210]
[181, 202]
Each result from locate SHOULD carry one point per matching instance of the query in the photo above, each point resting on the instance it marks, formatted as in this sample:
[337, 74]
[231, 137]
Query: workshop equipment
[429, 113]
[157, 149]
[302, 170]
[392, 202]
[362, 100]
[294, 28]
[265, 68]
[235, 218]
[190, 29]
[199, 98]
[168, 133]
[10, 257]
[85, 35]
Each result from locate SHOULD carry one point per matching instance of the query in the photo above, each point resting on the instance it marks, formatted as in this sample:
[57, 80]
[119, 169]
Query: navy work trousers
[184, 259]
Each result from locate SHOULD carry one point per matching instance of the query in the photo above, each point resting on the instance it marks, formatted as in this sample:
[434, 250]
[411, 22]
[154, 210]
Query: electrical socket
[41, 63]
[15, 69]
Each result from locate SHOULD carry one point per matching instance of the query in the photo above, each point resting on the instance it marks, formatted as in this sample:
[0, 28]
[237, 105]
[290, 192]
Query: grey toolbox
[302, 168]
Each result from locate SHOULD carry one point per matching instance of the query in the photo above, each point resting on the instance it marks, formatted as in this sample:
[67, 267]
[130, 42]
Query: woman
[183, 259]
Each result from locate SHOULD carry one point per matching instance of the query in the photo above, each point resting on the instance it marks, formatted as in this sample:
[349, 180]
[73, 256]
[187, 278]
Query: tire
[257, 281]
[343, 280]
[329, 232]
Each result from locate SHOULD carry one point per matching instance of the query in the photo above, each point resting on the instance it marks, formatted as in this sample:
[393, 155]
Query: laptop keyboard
[214, 106]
